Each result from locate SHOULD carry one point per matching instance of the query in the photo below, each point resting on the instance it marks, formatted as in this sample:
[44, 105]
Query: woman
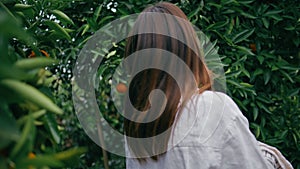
[189, 126]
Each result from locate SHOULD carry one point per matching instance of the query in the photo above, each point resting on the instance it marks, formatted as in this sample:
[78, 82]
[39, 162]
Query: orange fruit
[121, 88]
[31, 155]
[32, 54]
[45, 53]
[252, 47]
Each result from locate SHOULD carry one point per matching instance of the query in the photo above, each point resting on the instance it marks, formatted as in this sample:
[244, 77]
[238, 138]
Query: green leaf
[30, 93]
[284, 134]
[22, 6]
[195, 11]
[287, 76]
[288, 67]
[294, 92]
[275, 141]
[270, 13]
[123, 12]
[234, 83]
[262, 106]
[247, 15]
[51, 125]
[34, 63]
[40, 161]
[242, 36]
[276, 17]
[267, 76]
[266, 22]
[289, 28]
[93, 24]
[246, 2]
[71, 156]
[264, 99]
[10, 27]
[97, 12]
[104, 19]
[27, 131]
[246, 72]
[226, 2]
[260, 59]
[58, 29]
[86, 27]
[258, 72]
[246, 84]
[34, 115]
[217, 25]
[295, 138]
[233, 74]
[239, 103]
[245, 50]
[217, 5]
[9, 71]
[7, 13]
[62, 16]
[112, 53]
[209, 48]
[256, 128]
[230, 27]
[237, 21]
[255, 113]
[8, 128]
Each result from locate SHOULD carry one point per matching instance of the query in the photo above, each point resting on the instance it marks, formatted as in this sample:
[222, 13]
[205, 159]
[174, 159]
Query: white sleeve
[241, 149]
[274, 156]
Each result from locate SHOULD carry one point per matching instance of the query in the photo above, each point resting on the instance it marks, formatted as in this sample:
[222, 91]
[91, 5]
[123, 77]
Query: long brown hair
[146, 81]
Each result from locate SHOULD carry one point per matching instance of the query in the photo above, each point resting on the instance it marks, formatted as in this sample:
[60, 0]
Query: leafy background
[40, 40]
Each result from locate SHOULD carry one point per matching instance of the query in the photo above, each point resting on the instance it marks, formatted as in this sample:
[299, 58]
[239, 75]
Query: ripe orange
[31, 155]
[33, 55]
[121, 88]
[252, 47]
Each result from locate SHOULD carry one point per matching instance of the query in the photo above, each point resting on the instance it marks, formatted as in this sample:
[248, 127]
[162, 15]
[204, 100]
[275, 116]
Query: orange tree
[258, 42]
[29, 130]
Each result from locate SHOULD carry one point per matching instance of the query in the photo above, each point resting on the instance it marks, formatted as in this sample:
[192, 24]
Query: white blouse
[211, 133]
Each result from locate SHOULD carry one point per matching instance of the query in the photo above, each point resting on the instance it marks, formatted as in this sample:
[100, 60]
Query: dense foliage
[40, 40]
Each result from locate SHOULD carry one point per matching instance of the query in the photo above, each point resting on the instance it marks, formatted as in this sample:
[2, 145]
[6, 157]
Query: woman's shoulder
[215, 95]
[208, 115]
[220, 108]
[218, 102]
